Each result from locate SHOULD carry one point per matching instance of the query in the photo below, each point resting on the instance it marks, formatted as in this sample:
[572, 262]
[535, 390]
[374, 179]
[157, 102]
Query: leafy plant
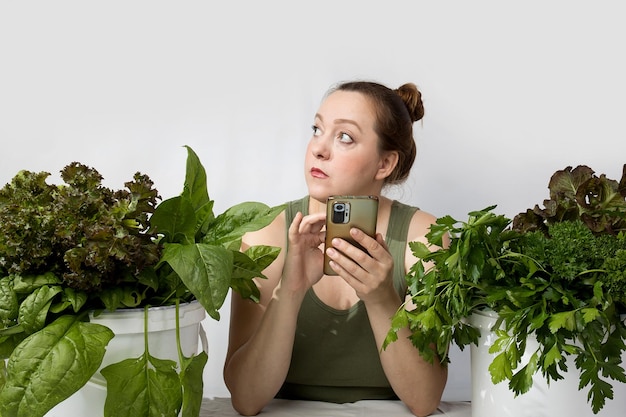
[556, 273]
[70, 250]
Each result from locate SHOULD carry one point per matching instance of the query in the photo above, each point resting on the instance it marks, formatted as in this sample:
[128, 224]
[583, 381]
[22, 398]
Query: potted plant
[69, 252]
[555, 273]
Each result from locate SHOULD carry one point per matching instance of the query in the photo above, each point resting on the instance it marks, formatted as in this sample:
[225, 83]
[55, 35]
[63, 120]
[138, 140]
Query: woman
[315, 336]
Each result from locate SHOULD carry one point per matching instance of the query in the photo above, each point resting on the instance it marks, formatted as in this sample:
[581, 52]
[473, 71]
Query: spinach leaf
[34, 309]
[142, 387]
[52, 364]
[191, 375]
[205, 269]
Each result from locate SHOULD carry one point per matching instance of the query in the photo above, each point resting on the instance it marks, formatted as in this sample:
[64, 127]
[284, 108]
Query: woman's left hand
[371, 275]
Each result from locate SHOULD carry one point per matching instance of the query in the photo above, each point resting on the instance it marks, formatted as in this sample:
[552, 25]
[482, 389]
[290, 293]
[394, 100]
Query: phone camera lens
[341, 213]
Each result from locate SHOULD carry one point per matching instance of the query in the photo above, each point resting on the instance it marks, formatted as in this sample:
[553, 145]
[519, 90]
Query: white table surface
[221, 407]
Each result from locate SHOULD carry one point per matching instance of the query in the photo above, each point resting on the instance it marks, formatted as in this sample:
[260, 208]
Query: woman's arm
[415, 381]
[421, 383]
[262, 335]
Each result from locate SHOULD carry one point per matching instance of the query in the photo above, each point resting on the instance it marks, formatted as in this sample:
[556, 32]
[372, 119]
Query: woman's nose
[320, 147]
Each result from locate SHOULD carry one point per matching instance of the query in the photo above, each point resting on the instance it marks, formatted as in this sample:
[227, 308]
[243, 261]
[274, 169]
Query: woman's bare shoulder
[420, 225]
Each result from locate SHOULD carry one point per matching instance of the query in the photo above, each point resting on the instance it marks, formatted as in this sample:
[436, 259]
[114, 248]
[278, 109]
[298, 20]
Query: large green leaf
[52, 364]
[8, 342]
[34, 309]
[250, 265]
[175, 219]
[195, 188]
[263, 256]
[191, 375]
[195, 191]
[205, 269]
[26, 285]
[245, 217]
[142, 387]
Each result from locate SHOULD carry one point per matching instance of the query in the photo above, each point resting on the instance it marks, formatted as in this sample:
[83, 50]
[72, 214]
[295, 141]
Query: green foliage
[144, 386]
[472, 273]
[89, 236]
[49, 366]
[191, 375]
[202, 250]
[148, 386]
[556, 273]
[578, 194]
[66, 250]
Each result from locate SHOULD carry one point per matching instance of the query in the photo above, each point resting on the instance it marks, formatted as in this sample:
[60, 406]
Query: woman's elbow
[242, 404]
[428, 404]
[244, 409]
[423, 410]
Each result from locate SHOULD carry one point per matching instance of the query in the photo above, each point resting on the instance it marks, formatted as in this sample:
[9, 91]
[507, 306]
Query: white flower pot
[560, 398]
[128, 326]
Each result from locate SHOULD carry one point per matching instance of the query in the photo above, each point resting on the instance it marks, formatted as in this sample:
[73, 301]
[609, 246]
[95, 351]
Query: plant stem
[180, 350]
[145, 330]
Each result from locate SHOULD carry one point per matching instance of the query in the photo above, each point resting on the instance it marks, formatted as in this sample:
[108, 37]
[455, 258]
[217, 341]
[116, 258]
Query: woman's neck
[316, 206]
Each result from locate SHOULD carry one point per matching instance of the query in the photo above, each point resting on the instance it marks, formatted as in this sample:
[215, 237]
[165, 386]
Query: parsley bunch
[557, 273]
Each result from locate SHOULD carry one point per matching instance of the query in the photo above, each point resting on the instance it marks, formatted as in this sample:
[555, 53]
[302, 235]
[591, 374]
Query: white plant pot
[128, 326]
[560, 398]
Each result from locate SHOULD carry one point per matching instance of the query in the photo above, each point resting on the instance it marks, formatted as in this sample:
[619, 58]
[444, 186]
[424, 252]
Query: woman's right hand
[305, 257]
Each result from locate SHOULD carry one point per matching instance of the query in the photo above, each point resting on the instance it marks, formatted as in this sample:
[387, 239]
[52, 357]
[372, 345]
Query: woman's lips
[318, 173]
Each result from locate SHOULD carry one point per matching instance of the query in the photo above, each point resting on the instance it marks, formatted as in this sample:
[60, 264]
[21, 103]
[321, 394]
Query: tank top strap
[396, 239]
[293, 207]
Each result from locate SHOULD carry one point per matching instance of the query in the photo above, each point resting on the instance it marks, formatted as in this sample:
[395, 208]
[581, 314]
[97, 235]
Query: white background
[513, 91]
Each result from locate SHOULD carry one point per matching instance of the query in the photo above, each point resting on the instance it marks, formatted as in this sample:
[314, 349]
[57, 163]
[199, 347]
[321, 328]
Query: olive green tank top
[335, 357]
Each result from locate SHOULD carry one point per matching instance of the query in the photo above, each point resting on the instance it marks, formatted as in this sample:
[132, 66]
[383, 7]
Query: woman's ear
[387, 164]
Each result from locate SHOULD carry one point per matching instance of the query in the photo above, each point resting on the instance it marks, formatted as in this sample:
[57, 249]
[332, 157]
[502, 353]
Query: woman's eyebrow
[340, 121]
[348, 121]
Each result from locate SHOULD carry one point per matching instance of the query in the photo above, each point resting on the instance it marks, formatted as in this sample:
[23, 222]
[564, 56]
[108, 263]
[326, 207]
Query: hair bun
[412, 99]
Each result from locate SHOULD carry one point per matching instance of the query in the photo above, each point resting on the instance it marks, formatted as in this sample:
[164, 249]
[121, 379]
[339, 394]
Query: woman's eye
[345, 138]
[316, 130]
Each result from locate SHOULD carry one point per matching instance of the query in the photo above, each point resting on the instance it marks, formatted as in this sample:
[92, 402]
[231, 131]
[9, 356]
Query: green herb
[557, 273]
[71, 249]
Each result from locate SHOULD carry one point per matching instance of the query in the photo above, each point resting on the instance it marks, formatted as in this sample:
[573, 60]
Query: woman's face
[342, 157]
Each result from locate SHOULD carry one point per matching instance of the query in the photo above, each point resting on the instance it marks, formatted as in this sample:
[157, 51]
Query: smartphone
[344, 213]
